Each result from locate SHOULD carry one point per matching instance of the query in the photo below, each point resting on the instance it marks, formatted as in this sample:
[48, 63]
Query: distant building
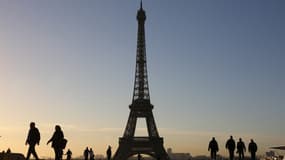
[271, 155]
[178, 156]
[11, 156]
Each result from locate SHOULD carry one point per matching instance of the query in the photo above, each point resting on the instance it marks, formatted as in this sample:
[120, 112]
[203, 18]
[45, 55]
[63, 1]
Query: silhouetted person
[86, 153]
[240, 149]
[33, 139]
[57, 139]
[139, 157]
[68, 154]
[231, 145]
[213, 146]
[109, 153]
[252, 148]
[91, 153]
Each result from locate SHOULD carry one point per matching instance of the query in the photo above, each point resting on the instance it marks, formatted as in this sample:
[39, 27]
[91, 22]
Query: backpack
[63, 143]
[37, 136]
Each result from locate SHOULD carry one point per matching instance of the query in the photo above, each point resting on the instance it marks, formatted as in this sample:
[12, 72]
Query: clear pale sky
[216, 68]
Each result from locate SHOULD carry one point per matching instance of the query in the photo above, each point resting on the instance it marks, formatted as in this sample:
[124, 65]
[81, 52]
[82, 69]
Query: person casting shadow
[92, 155]
[109, 153]
[240, 149]
[231, 145]
[33, 139]
[86, 153]
[139, 157]
[213, 146]
[57, 140]
[68, 154]
[252, 148]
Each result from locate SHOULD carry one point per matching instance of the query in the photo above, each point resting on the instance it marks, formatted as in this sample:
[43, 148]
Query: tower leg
[141, 145]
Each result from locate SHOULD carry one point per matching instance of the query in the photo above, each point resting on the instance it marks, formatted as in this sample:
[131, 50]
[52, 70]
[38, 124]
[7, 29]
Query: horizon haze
[215, 69]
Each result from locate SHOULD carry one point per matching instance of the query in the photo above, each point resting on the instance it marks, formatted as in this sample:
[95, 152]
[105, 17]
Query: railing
[141, 139]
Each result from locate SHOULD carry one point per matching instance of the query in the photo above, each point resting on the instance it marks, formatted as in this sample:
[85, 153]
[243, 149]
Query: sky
[216, 68]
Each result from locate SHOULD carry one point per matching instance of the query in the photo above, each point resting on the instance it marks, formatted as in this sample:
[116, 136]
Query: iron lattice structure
[141, 108]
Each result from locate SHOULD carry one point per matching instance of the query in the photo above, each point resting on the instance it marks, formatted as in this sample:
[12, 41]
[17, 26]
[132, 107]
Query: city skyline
[215, 69]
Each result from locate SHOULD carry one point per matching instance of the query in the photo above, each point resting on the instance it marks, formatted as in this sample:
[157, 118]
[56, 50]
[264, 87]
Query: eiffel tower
[141, 107]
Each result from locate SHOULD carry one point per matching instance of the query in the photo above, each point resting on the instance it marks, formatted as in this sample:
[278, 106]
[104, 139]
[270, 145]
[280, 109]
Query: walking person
[68, 154]
[213, 146]
[92, 155]
[57, 139]
[33, 139]
[231, 146]
[109, 153]
[240, 149]
[139, 156]
[252, 148]
[86, 153]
